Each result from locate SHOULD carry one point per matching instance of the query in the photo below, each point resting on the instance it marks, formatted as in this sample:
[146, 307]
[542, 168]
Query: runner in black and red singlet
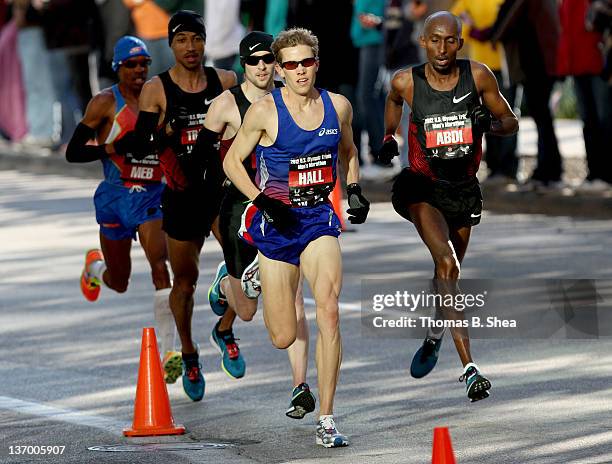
[454, 102]
[173, 107]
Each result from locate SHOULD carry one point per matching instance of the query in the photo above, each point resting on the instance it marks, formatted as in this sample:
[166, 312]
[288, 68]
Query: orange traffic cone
[336, 199]
[152, 413]
[442, 447]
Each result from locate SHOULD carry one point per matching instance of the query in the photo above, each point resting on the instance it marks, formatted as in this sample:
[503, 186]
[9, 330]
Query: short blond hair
[293, 37]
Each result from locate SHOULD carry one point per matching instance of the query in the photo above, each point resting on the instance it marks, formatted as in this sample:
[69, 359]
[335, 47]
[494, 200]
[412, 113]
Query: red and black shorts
[459, 202]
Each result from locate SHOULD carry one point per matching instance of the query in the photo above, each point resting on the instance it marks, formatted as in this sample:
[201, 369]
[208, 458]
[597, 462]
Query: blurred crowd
[55, 54]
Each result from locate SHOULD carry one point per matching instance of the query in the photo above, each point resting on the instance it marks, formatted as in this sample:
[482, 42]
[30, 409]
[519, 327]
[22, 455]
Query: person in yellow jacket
[479, 16]
[151, 24]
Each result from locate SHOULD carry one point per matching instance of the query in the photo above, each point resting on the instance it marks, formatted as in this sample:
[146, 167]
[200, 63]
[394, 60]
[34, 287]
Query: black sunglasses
[253, 60]
[131, 64]
[306, 62]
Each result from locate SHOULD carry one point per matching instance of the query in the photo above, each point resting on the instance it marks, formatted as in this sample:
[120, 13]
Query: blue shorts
[120, 210]
[312, 223]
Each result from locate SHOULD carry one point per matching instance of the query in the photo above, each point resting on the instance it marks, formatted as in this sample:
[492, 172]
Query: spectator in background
[116, 22]
[529, 31]
[276, 16]
[224, 32]
[72, 31]
[480, 15]
[13, 123]
[367, 36]
[579, 56]
[253, 13]
[401, 51]
[337, 71]
[151, 25]
[36, 72]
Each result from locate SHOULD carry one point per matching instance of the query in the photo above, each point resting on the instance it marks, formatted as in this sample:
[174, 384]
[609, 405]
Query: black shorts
[237, 253]
[459, 203]
[187, 215]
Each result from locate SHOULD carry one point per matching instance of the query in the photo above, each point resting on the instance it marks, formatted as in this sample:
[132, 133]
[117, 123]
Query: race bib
[189, 135]
[144, 170]
[311, 179]
[448, 136]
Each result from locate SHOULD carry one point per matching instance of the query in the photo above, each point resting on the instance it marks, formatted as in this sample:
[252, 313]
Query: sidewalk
[498, 198]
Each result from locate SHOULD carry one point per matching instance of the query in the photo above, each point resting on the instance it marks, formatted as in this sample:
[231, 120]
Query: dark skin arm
[401, 90]
[99, 115]
[506, 122]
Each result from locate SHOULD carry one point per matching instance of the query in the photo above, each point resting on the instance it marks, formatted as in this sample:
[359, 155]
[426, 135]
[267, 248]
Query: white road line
[107, 424]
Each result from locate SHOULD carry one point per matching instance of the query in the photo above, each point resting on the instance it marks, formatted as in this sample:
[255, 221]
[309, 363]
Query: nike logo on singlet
[251, 48]
[207, 101]
[457, 100]
[475, 215]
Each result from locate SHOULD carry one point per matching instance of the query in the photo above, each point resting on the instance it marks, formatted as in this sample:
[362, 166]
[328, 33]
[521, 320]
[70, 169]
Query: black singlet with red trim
[441, 143]
[197, 104]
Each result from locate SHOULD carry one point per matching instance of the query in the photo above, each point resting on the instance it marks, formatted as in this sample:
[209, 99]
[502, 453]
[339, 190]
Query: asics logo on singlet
[324, 131]
[458, 100]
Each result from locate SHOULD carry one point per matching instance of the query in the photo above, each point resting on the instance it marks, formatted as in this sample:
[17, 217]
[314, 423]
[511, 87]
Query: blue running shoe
[302, 402]
[216, 298]
[425, 358]
[193, 380]
[476, 385]
[232, 361]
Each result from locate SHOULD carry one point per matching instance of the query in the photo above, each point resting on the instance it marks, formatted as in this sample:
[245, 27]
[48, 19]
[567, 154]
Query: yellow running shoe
[173, 366]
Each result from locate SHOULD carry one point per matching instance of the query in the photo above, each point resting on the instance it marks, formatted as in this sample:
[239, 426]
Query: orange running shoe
[90, 286]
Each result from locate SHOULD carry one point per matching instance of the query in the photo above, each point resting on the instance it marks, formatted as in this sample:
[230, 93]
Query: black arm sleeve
[145, 135]
[78, 151]
[203, 163]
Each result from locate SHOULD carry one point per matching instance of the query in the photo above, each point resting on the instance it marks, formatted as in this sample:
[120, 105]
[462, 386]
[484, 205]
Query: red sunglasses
[306, 62]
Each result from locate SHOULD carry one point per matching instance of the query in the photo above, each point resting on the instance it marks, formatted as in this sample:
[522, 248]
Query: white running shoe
[328, 435]
[251, 286]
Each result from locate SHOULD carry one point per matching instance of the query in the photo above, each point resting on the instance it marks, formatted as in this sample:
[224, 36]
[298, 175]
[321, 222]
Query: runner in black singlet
[454, 102]
[173, 107]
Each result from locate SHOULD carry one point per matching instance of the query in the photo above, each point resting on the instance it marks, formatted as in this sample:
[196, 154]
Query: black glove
[481, 119]
[275, 212]
[125, 144]
[180, 119]
[358, 205]
[389, 150]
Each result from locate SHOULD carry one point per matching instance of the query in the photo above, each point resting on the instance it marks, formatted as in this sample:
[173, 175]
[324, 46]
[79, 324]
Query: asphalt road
[68, 367]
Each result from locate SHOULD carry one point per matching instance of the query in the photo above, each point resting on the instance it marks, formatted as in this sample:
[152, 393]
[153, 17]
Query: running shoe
[426, 357]
[216, 298]
[328, 435]
[193, 380]
[476, 385]
[232, 361]
[302, 402]
[90, 286]
[251, 286]
[173, 366]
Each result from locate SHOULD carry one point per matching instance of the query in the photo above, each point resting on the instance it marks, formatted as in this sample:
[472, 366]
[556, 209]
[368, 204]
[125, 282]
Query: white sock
[324, 416]
[164, 321]
[97, 269]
